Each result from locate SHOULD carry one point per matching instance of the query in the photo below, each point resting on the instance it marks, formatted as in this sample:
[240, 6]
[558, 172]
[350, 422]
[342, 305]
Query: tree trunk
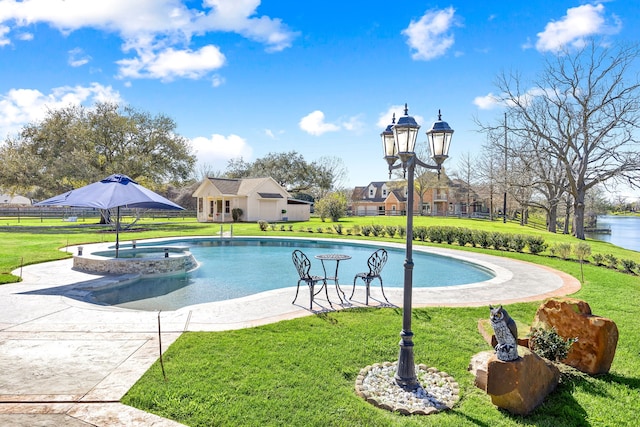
[552, 218]
[578, 216]
[491, 206]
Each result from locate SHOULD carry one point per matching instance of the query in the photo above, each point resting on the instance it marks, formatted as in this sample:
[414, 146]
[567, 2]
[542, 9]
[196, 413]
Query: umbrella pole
[117, 230]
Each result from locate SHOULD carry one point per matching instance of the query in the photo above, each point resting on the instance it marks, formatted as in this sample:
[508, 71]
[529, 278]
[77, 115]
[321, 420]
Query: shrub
[319, 229]
[611, 260]
[449, 234]
[356, 230]
[499, 240]
[402, 231]
[366, 230]
[273, 227]
[376, 230]
[517, 242]
[236, 214]
[465, 236]
[481, 238]
[548, 344]
[391, 230]
[333, 205]
[264, 225]
[561, 250]
[628, 265]
[281, 227]
[419, 233]
[536, 244]
[598, 259]
[338, 228]
[435, 234]
[290, 227]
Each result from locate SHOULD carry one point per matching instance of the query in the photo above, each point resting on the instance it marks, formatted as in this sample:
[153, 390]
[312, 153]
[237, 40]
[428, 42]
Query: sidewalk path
[66, 362]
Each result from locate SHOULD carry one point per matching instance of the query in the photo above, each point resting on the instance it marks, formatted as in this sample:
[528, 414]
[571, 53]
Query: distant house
[7, 200]
[379, 198]
[258, 198]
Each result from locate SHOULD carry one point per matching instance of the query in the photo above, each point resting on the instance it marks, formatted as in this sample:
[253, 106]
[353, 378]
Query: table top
[332, 257]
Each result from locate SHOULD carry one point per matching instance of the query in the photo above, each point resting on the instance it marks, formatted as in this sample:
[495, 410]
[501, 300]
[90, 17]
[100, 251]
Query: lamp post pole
[398, 142]
[406, 371]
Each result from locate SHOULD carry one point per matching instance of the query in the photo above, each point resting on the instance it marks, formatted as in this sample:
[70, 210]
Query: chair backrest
[302, 263]
[376, 261]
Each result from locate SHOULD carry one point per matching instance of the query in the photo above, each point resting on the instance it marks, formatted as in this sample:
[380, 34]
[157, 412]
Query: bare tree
[547, 174]
[465, 174]
[586, 107]
[488, 172]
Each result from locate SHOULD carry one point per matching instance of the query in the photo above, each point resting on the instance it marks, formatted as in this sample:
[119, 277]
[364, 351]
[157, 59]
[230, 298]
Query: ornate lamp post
[399, 141]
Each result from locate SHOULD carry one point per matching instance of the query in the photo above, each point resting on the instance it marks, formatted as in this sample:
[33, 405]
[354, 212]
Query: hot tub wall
[143, 266]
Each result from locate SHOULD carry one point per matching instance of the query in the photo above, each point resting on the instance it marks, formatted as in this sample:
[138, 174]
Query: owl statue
[506, 332]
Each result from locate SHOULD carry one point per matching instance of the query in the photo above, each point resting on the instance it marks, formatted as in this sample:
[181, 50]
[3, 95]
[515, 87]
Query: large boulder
[597, 336]
[520, 385]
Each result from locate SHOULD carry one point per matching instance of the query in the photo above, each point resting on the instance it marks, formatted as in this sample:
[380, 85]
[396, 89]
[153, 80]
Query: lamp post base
[406, 373]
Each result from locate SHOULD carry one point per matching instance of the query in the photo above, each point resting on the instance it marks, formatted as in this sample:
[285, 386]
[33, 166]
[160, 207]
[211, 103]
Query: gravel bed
[437, 391]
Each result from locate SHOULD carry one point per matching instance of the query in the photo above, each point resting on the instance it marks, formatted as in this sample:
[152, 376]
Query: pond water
[625, 231]
[233, 268]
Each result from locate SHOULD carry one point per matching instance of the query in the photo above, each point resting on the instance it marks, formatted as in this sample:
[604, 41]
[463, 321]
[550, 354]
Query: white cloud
[170, 63]
[156, 30]
[491, 101]
[314, 124]
[384, 119]
[78, 58]
[19, 107]
[4, 40]
[487, 102]
[430, 36]
[269, 133]
[217, 80]
[579, 23]
[353, 124]
[219, 149]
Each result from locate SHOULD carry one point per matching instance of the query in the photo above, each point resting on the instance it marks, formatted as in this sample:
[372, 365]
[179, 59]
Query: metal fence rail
[81, 214]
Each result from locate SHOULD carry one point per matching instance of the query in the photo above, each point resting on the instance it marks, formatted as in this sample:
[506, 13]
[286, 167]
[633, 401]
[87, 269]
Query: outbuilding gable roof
[243, 187]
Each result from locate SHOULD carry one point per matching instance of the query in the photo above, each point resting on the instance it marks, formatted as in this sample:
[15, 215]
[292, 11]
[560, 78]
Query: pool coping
[108, 348]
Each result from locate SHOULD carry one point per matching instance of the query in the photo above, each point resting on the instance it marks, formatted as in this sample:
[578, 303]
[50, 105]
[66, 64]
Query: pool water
[233, 268]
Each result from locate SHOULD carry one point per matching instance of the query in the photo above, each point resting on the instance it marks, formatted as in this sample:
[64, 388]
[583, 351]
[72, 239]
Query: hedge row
[476, 238]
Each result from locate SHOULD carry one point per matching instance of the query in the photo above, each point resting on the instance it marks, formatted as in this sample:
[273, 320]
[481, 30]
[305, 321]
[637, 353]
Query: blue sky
[321, 77]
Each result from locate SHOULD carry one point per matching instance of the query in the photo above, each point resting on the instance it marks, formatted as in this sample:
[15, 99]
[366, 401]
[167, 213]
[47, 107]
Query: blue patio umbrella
[115, 191]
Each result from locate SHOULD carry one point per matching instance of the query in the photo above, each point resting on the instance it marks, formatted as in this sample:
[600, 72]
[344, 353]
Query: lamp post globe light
[399, 141]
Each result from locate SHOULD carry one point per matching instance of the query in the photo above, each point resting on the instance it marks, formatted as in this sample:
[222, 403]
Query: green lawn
[301, 372]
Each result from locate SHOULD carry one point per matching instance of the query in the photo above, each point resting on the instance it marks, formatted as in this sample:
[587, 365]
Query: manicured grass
[301, 372]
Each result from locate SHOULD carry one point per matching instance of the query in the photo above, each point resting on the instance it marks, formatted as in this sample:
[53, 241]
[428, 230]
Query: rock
[519, 386]
[478, 368]
[597, 336]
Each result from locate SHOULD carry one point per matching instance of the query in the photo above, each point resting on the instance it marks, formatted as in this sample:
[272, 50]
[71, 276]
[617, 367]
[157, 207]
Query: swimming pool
[233, 268]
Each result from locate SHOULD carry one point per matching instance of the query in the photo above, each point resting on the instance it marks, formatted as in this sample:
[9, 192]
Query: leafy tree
[76, 145]
[333, 205]
[290, 170]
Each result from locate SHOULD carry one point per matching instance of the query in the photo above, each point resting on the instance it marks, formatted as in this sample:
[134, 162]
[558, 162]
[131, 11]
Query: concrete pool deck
[67, 362]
